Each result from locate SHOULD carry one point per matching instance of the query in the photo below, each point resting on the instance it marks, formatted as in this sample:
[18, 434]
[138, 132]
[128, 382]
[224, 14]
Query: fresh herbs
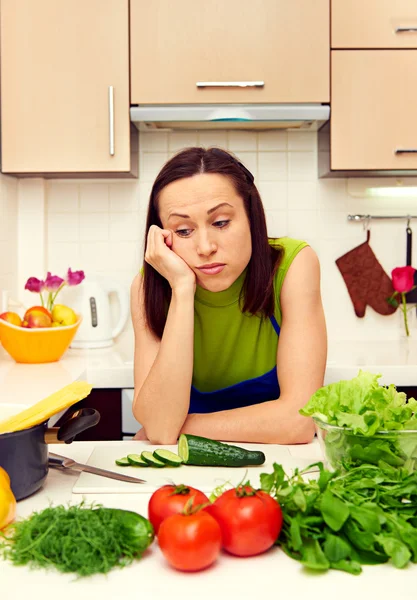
[78, 539]
[342, 521]
[362, 409]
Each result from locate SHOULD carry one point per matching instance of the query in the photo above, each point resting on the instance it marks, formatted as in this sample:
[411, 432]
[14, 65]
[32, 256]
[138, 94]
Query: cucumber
[168, 457]
[135, 460]
[149, 458]
[200, 451]
[122, 462]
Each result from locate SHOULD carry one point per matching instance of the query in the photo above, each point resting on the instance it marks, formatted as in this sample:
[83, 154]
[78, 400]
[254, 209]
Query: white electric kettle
[91, 299]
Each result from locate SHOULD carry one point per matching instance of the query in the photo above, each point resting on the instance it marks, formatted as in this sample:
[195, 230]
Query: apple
[63, 315]
[36, 320]
[37, 310]
[37, 316]
[11, 317]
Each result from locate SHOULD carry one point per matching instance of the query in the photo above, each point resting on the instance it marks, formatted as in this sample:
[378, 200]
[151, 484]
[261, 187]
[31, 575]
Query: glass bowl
[343, 449]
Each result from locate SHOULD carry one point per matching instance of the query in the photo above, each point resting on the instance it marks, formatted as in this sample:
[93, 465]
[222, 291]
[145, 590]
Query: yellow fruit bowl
[36, 345]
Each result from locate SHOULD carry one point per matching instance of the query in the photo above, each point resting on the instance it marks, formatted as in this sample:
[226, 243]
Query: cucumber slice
[151, 460]
[122, 462]
[168, 457]
[200, 451]
[135, 460]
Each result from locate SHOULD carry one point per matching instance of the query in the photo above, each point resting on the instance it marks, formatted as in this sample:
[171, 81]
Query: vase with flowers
[402, 282]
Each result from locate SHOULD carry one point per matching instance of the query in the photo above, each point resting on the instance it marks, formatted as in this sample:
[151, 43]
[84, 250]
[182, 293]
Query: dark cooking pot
[24, 454]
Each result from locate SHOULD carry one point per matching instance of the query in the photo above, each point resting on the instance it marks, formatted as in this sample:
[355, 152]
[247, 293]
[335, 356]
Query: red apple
[37, 310]
[11, 317]
[37, 316]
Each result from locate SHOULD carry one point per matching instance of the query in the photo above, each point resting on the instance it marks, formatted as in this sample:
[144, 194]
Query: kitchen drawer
[374, 24]
[280, 47]
[374, 110]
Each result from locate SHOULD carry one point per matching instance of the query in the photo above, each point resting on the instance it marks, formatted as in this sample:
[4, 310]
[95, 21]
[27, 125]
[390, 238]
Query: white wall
[98, 225]
[8, 235]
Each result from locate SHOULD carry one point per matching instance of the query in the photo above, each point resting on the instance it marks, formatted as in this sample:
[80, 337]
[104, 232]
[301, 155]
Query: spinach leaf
[313, 557]
[334, 511]
[350, 566]
[397, 550]
[336, 548]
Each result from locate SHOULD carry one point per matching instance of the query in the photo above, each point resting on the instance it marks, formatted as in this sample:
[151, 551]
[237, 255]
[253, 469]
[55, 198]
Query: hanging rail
[369, 217]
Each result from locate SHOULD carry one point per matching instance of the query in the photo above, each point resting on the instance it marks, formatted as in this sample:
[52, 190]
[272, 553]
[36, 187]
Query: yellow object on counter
[46, 408]
[36, 345]
[7, 500]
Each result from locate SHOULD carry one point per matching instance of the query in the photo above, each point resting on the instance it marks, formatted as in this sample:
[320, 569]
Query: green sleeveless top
[229, 346]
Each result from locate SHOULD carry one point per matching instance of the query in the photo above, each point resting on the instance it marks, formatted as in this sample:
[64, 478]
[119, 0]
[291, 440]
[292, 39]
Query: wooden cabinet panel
[374, 24]
[58, 61]
[373, 109]
[283, 43]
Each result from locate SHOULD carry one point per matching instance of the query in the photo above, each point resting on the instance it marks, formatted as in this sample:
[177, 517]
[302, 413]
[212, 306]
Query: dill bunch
[77, 539]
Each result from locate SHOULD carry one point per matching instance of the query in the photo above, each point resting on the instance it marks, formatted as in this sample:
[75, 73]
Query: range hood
[229, 116]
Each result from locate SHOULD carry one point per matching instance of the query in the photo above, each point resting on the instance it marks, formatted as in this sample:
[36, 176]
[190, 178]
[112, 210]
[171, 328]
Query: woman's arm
[163, 368]
[301, 362]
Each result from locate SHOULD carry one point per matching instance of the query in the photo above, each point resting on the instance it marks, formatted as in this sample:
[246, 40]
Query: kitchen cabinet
[201, 51]
[374, 24]
[65, 88]
[374, 114]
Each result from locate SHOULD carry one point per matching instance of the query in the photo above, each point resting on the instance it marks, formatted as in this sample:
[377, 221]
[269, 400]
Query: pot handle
[79, 421]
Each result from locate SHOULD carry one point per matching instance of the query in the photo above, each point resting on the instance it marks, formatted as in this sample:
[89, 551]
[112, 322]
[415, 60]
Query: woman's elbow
[302, 432]
[299, 431]
[159, 435]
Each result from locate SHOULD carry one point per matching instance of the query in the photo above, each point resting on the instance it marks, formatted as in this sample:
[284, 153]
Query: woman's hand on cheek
[164, 260]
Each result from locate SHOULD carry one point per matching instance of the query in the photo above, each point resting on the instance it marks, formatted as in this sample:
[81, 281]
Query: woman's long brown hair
[257, 295]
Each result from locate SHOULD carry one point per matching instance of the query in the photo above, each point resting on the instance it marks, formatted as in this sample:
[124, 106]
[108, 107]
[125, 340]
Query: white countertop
[271, 575]
[113, 367]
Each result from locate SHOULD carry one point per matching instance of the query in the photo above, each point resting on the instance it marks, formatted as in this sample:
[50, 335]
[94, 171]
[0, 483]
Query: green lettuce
[371, 417]
[363, 405]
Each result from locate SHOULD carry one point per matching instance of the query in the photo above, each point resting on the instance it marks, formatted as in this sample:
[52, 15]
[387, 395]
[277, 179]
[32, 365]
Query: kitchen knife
[56, 460]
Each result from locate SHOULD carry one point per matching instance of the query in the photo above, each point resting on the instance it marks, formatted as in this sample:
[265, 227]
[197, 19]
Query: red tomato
[250, 520]
[171, 500]
[190, 542]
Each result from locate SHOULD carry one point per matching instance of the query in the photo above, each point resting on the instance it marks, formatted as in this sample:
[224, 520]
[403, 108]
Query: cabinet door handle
[406, 151]
[202, 84]
[111, 120]
[405, 29]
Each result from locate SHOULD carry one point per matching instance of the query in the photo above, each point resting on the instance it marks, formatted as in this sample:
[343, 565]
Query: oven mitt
[366, 280]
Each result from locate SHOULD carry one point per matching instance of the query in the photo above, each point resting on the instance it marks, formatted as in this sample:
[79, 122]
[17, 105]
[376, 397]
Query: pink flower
[52, 282]
[35, 285]
[74, 277]
[403, 279]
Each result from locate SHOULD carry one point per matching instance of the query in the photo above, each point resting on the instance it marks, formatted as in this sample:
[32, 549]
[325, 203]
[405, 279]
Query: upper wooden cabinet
[374, 24]
[280, 46]
[65, 87]
[374, 114]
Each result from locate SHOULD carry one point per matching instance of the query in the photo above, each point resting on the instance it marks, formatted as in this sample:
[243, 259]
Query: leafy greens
[370, 418]
[345, 520]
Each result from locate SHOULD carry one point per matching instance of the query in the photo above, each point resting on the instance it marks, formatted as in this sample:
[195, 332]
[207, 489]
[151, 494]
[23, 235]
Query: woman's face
[211, 230]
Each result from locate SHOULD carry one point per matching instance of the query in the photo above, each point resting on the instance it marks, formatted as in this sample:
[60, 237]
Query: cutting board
[202, 478]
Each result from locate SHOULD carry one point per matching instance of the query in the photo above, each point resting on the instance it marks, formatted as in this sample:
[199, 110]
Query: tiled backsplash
[98, 225]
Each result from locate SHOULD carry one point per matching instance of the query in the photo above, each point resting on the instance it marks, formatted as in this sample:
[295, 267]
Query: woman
[230, 336]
